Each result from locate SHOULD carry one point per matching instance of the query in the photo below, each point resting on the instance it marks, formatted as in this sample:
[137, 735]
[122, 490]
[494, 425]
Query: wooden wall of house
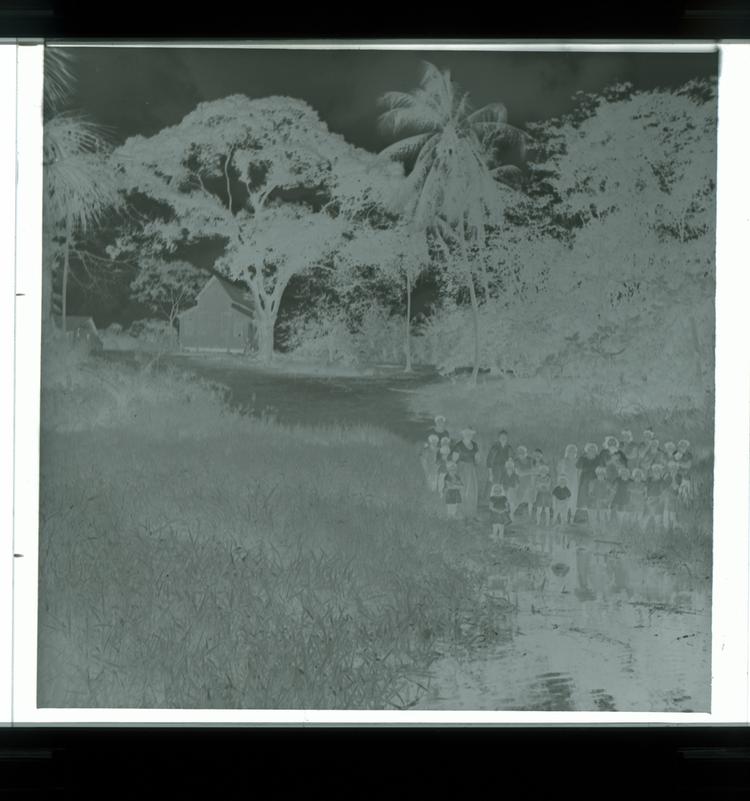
[214, 324]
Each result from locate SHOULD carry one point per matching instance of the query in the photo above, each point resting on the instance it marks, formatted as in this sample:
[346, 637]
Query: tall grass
[191, 557]
[552, 414]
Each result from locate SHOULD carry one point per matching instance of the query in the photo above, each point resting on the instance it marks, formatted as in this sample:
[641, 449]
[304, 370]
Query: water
[608, 633]
[314, 400]
[593, 629]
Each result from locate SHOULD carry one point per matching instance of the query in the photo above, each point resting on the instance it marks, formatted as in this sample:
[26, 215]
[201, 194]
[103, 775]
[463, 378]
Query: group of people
[642, 482]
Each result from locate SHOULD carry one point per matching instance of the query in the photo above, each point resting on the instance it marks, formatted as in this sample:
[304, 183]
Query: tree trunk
[407, 344]
[475, 315]
[474, 302]
[698, 350]
[66, 270]
[266, 326]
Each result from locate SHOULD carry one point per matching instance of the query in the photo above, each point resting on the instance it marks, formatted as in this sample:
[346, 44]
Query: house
[81, 329]
[221, 320]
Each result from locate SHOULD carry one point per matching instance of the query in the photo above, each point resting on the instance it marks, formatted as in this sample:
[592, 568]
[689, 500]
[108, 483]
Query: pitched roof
[74, 322]
[237, 294]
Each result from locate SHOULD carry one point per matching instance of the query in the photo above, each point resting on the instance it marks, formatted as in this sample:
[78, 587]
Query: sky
[141, 90]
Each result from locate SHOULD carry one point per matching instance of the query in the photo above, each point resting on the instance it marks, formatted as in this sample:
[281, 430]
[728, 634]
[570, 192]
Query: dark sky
[140, 90]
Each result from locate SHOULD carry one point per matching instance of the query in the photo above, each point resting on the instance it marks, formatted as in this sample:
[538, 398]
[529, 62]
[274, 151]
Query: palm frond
[81, 188]
[396, 100]
[406, 148]
[59, 77]
[70, 133]
[492, 113]
[409, 120]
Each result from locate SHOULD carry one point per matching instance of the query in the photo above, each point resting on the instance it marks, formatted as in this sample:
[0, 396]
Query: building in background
[221, 320]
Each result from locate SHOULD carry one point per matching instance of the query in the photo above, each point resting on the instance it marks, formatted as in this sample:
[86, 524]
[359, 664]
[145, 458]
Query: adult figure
[468, 458]
[587, 464]
[498, 455]
[525, 470]
[629, 447]
[612, 458]
[439, 428]
[568, 467]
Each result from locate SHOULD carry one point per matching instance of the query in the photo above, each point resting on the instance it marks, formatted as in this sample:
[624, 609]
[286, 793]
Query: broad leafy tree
[263, 177]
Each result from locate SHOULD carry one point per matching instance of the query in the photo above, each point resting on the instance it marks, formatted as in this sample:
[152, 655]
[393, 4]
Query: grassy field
[191, 557]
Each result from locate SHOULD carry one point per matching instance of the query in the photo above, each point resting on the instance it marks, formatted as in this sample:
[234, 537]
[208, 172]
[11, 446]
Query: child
[668, 451]
[683, 472]
[651, 456]
[443, 459]
[543, 500]
[655, 489]
[446, 442]
[452, 489]
[499, 511]
[673, 481]
[429, 458]
[561, 500]
[686, 457]
[525, 470]
[622, 494]
[508, 480]
[600, 495]
[636, 509]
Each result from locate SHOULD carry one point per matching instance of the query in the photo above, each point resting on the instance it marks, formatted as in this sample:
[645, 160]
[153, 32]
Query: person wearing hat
[439, 429]
[468, 458]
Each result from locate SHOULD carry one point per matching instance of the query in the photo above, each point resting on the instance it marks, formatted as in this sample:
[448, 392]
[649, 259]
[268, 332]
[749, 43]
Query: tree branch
[226, 177]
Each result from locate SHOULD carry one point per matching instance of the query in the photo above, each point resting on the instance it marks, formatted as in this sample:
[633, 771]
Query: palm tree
[78, 185]
[456, 184]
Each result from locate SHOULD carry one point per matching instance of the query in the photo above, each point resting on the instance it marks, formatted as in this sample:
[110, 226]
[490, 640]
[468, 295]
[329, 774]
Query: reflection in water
[594, 630]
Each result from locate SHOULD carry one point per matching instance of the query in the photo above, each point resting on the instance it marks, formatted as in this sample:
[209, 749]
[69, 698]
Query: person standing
[439, 429]
[567, 466]
[499, 511]
[452, 490]
[525, 471]
[587, 464]
[468, 458]
[498, 455]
